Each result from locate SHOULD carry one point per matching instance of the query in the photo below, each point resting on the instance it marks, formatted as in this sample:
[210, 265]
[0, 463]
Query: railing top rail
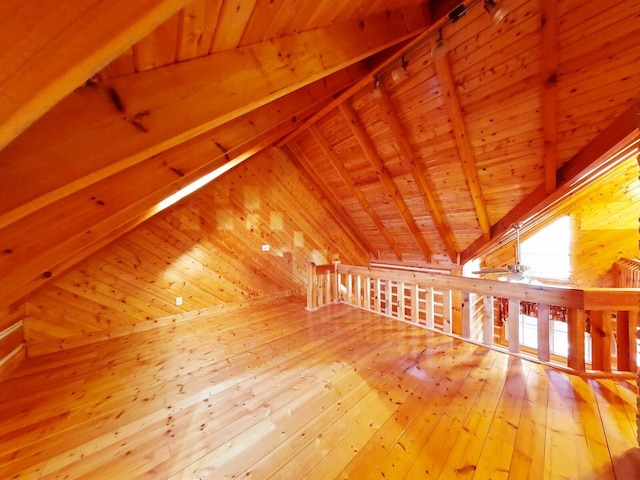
[612, 299]
[597, 298]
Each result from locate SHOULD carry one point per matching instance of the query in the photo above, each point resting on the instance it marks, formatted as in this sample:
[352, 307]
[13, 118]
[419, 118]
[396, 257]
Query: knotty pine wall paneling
[206, 249]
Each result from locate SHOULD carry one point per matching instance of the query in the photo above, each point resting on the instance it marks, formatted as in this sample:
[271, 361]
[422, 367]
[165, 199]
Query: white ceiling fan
[516, 272]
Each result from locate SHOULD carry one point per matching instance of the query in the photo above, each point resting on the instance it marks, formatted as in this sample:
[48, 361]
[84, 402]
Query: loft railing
[627, 273]
[589, 331]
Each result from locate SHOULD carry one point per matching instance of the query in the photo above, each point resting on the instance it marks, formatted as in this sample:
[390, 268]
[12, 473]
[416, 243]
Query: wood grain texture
[206, 250]
[480, 118]
[116, 202]
[82, 39]
[603, 228]
[275, 391]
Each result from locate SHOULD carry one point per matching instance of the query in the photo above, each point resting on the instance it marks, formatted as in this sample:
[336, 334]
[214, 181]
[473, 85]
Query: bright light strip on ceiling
[202, 181]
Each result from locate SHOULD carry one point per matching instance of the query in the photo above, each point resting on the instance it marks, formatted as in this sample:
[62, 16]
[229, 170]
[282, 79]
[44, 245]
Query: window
[548, 252]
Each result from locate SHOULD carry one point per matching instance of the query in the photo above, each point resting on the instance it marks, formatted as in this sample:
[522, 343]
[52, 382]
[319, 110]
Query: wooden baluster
[544, 345]
[601, 340]
[401, 301]
[488, 320]
[467, 314]
[358, 291]
[447, 316]
[376, 295]
[367, 293]
[627, 323]
[312, 302]
[336, 282]
[349, 289]
[388, 309]
[575, 329]
[328, 288]
[634, 321]
[415, 305]
[429, 307]
[513, 325]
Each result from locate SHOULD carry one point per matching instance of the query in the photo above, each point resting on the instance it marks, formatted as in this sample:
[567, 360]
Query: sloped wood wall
[605, 227]
[206, 249]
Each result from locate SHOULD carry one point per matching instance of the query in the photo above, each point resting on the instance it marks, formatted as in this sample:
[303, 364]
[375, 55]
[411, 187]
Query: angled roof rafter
[81, 40]
[335, 207]
[549, 102]
[355, 190]
[423, 183]
[463, 141]
[372, 155]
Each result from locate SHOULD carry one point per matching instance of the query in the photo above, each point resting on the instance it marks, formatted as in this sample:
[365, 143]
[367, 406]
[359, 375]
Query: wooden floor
[278, 392]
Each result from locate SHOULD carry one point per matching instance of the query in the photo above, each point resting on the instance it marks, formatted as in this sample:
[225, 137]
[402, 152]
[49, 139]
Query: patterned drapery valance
[531, 309]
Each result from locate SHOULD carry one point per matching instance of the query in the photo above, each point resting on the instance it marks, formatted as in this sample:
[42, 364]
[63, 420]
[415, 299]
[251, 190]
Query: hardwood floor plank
[275, 391]
[427, 373]
[529, 449]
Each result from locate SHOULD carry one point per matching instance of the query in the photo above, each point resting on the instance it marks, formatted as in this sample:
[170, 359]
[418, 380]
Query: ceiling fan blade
[491, 270]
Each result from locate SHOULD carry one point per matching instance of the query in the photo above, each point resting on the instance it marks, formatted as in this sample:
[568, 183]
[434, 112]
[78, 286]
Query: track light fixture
[400, 72]
[439, 49]
[376, 93]
[496, 11]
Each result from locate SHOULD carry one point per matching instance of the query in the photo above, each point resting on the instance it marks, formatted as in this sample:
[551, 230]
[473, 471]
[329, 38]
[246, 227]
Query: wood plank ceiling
[111, 107]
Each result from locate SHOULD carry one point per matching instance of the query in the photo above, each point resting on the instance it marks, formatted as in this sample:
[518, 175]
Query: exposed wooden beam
[549, 104]
[424, 185]
[128, 119]
[371, 154]
[333, 202]
[367, 82]
[611, 147]
[463, 141]
[48, 50]
[20, 162]
[89, 219]
[355, 190]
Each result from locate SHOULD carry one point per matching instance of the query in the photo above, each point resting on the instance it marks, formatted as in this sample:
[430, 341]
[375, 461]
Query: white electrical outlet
[178, 301]
[266, 247]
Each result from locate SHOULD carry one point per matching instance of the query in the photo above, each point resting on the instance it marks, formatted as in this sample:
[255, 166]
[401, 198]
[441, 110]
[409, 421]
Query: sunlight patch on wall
[276, 221]
[224, 220]
[319, 257]
[251, 198]
[253, 221]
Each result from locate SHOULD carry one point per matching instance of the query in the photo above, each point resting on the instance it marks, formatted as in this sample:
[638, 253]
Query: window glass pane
[547, 252]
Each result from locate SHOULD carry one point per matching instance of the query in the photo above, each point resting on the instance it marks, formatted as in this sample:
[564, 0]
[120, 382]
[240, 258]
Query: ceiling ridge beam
[383, 174]
[463, 142]
[549, 104]
[335, 207]
[82, 39]
[424, 184]
[355, 190]
[608, 149]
